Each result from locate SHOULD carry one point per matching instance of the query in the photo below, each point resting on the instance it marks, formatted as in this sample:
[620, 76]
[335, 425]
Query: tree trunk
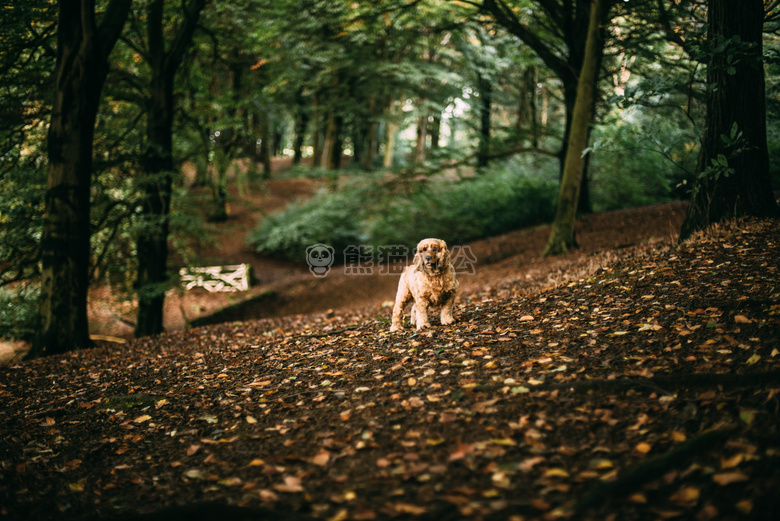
[733, 169]
[562, 237]
[301, 122]
[82, 66]
[485, 107]
[157, 163]
[422, 137]
[391, 131]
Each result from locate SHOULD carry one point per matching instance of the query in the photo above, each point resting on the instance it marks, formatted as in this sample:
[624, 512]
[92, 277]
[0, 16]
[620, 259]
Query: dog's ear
[417, 262]
[445, 254]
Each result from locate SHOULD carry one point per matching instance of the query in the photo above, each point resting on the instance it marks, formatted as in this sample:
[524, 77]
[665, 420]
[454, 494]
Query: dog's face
[432, 255]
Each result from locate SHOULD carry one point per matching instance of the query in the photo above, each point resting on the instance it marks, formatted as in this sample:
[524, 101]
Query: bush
[364, 212]
[18, 313]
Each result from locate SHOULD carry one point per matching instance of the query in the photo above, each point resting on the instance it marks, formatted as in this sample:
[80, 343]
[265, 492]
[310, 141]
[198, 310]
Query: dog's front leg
[402, 298]
[447, 309]
[420, 314]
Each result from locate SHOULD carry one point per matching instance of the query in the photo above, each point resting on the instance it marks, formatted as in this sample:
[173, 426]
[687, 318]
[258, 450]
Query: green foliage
[638, 159]
[510, 196]
[19, 312]
[21, 214]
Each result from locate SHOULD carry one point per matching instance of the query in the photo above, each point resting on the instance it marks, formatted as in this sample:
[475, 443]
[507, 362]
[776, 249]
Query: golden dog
[429, 282]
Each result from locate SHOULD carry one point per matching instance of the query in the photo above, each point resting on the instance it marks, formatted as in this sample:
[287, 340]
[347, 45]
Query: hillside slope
[646, 389]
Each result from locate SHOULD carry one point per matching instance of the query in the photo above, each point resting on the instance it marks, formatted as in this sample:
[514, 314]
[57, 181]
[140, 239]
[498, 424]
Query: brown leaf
[321, 458]
[407, 508]
[726, 478]
[291, 484]
[686, 495]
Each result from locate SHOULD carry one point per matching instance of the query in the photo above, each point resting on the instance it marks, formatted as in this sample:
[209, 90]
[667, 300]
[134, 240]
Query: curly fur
[428, 282]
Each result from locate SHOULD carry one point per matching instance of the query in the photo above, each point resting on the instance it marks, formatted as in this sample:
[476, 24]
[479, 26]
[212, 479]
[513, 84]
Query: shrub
[18, 312]
[509, 196]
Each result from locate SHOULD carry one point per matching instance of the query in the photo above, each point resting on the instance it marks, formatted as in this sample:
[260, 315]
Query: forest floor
[632, 379]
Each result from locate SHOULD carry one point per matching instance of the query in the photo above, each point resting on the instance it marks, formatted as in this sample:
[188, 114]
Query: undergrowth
[370, 212]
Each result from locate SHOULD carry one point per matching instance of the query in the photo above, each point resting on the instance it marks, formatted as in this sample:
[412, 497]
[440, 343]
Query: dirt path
[286, 288]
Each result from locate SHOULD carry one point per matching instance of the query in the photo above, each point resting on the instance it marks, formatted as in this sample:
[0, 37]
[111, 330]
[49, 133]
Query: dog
[428, 282]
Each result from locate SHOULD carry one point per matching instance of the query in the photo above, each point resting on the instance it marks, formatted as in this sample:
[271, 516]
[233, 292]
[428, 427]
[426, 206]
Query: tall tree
[556, 30]
[733, 169]
[83, 47]
[562, 237]
[157, 161]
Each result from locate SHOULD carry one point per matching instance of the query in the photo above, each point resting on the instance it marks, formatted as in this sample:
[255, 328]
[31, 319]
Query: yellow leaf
[504, 441]
[600, 463]
[257, 462]
[638, 497]
[251, 419]
[76, 487]
[742, 319]
[142, 418]
[556, 472]
[686, 495]
[730, 463]
[747, 416]
[643, 447]
[754, 359]
[678, 436]
[526, 318]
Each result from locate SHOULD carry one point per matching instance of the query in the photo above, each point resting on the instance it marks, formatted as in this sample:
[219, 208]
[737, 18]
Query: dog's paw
[394, 328]
[446, 321]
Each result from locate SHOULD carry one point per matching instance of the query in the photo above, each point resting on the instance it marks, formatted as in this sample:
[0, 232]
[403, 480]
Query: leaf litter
[645, 390]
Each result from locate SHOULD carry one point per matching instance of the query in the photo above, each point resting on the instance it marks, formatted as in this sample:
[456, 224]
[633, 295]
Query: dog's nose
[428, 258]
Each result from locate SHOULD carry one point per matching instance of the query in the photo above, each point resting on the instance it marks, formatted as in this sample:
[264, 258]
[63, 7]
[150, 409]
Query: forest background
[425, 117]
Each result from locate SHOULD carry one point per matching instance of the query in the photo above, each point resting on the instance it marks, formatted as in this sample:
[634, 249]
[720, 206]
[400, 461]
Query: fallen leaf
[643, 447]
[727, 478]
[231, 482]
[742, 319]
[142, 418]
[556, 472]
[407, 508]
[686, 495]
[194, 474]
[321, 458]
[193, 449]
[730, 463]
[257, 462]
[291, 484]
[745, 506]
